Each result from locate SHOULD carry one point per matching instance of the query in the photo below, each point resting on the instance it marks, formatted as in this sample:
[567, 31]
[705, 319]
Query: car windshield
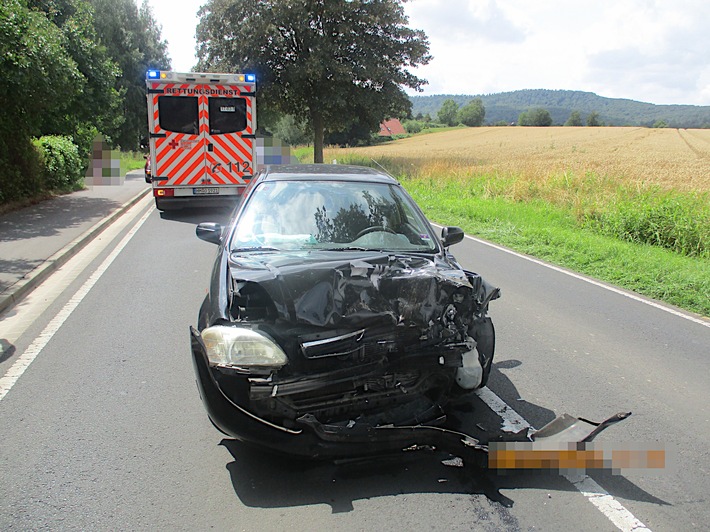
[332, 215]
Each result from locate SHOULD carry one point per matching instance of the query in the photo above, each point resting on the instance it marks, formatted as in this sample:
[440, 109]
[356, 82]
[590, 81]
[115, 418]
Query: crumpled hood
[344, 289]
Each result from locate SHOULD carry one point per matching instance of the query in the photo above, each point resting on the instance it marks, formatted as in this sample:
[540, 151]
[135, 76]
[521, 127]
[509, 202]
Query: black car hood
[344, 288]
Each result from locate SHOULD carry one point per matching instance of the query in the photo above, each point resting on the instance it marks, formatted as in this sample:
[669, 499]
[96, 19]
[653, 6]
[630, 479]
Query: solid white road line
[16, 320]
[624, 293]
[8, 380]
[598, 496]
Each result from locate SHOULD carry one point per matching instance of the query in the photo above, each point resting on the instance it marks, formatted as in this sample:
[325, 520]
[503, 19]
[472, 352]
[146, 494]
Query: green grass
[553, 234]
[587, 233]
[131, 160]
[303, 153]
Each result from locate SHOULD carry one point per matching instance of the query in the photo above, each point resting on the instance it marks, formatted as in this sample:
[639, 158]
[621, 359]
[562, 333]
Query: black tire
[485, 335]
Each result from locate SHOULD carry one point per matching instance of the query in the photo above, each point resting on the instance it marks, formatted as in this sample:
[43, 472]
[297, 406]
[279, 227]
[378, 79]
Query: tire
[485, 335]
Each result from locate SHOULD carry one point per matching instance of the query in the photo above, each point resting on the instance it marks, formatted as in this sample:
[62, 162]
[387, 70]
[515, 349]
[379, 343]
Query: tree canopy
[505, 107]
[535, 117]
[448, 112]
[61, 75]
[472, 114]
[593, 119]
[133, 40]
[575, 119]
[338, 63]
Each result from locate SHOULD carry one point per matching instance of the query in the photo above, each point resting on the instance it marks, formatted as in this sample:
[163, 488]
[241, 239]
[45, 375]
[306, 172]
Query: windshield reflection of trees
[349, 221]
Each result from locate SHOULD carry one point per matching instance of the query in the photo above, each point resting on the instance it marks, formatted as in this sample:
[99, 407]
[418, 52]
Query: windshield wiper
[254, 248]
[346, 248]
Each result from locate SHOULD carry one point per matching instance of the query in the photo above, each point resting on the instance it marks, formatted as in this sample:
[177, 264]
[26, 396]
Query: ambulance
[202, 131]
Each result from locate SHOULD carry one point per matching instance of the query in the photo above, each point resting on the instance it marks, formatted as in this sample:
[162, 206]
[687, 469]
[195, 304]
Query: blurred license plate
[205, 190]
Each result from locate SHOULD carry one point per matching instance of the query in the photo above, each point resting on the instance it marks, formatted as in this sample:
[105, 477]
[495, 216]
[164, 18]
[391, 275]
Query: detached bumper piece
[566, 444]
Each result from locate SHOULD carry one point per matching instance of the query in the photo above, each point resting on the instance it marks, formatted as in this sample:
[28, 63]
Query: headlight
[235, 346]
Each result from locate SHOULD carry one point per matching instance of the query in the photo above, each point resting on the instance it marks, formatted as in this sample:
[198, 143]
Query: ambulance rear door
[202, 137]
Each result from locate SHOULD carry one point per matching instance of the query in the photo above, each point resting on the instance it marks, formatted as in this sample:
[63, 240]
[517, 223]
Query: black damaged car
[337, 324]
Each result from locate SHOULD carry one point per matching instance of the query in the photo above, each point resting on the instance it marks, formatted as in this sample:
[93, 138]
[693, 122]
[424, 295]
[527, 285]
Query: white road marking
[512, 421]
[8, 380]
[17, 319]
[624, 293]
[598, 496]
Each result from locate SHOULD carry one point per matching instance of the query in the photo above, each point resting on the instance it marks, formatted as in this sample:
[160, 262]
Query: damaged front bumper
[312, 439]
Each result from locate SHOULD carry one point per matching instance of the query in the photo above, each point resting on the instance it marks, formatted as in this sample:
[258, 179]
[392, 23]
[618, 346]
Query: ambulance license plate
[205, 190]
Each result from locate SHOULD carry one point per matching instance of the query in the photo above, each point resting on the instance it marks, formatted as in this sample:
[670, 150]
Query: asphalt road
[104, 429]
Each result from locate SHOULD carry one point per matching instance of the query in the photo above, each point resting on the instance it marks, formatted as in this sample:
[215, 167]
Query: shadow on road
[195, 216]
[268, 481]
[271, 481]
[51, 217]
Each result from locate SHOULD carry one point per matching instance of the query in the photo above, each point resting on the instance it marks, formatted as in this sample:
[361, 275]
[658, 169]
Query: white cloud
[637, 49]
[653, 51]
[178, 19]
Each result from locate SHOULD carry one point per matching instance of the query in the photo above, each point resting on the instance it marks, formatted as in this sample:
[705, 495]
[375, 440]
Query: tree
[91, 101]
[593, 119]
[54, 79]
[291, 131]
[574, 119]
[133, 40]
[29, 43]
[336, 62]
[448, 112]
[472, 114]
[535, 117]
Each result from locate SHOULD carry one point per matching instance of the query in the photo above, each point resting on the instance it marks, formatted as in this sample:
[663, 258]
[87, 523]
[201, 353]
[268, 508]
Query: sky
[645, 50]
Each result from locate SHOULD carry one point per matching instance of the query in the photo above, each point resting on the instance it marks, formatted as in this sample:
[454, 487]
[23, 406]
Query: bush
[84, 137]
[62, 165]
[412, 126]
[21, 170]
[291, 131]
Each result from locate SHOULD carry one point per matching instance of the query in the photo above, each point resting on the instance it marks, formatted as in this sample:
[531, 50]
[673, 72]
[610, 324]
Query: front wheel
[485, 335]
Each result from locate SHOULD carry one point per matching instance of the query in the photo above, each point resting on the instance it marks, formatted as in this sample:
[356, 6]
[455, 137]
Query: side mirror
[209, 232]
[451, 235]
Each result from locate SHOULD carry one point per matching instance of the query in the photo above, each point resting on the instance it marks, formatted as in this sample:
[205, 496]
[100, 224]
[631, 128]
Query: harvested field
[670, 158]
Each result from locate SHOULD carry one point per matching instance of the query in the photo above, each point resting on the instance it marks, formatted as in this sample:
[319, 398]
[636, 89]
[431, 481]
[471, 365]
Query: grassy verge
[131, 160]
[559, 231]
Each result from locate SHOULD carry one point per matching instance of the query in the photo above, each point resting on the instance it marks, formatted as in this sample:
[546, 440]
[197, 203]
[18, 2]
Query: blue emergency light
[250, 77]
[154, 74]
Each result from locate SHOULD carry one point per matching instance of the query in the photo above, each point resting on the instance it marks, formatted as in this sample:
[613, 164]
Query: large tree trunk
[317, 119]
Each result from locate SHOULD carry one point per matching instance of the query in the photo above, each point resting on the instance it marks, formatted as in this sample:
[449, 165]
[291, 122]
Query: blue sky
[645, 50]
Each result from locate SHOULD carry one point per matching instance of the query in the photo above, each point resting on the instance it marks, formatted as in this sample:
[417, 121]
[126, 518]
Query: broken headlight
[239, 347]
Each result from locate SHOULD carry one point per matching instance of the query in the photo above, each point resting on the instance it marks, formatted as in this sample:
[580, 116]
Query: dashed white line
[598, 496]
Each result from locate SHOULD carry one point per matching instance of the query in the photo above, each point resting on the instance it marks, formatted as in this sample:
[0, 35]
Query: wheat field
[672, 159]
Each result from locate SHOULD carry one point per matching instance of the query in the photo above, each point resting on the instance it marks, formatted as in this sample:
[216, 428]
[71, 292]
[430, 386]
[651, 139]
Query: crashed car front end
[315, 354]
[337, 323]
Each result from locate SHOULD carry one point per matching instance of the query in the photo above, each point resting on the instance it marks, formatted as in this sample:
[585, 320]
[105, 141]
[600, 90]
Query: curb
[25, 285]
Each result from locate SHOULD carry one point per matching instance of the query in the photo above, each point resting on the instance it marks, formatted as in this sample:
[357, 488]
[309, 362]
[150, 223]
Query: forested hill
[507, 106]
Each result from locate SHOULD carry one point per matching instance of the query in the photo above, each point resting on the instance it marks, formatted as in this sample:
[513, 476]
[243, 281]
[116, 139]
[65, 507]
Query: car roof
[325, 172]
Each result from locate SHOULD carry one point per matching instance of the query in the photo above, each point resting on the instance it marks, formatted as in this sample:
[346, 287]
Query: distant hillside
[506, 106]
